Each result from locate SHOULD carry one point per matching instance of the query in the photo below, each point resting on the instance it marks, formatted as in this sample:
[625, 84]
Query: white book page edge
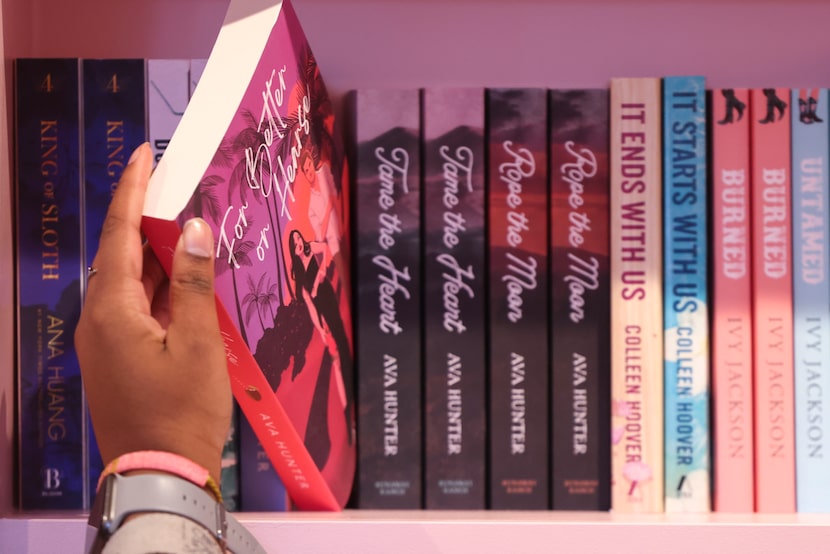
[236, 52]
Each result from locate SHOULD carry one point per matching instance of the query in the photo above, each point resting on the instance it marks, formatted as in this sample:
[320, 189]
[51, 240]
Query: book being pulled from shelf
[257, 156]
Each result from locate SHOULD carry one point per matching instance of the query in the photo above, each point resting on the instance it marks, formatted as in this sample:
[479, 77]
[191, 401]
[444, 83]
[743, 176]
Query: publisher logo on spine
[51, 480]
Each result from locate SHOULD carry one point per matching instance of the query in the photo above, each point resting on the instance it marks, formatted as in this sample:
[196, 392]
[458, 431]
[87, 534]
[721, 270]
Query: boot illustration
[803, 112]
[812, 104]
[773, 103]
[807, 104]
[732, 105]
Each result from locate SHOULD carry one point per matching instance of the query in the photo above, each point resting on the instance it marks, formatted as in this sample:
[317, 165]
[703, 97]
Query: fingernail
[197, 238]
[134, 155]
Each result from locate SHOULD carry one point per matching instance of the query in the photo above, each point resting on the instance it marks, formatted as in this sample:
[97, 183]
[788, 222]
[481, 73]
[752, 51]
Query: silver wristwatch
[121, 496]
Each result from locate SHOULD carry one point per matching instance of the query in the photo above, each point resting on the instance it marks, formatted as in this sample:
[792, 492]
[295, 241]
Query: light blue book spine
[811, 297]
[685, 311]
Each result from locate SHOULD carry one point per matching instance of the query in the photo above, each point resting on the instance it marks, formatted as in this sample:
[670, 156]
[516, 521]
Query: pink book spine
[732, 303]
[772, 301]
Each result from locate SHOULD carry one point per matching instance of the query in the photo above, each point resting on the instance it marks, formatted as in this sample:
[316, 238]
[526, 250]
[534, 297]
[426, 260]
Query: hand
[150, 350]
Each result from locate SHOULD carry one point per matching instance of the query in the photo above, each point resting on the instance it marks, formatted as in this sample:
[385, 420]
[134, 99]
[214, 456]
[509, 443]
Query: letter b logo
[51, 479]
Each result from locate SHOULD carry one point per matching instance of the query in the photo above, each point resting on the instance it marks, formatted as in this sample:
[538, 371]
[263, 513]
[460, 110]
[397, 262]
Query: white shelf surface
[480, 532]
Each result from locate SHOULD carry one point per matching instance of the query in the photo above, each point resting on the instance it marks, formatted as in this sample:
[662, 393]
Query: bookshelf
[562, 43]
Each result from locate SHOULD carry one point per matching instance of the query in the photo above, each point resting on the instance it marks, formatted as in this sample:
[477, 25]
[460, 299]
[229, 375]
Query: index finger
[119, 253]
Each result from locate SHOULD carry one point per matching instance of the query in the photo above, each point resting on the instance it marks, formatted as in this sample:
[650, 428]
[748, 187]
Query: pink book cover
[636, 296]
[257, 155]
[734, 487]
[772, 302]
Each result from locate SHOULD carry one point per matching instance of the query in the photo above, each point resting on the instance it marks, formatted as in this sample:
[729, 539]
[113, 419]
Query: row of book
[77, 122]
[532, 274]
[255, 151]
[591, 299]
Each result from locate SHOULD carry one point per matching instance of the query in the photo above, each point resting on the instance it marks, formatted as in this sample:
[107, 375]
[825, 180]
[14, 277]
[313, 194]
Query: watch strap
[163, 461]
[121, 496]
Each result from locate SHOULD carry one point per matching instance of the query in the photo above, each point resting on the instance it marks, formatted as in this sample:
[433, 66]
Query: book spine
[518, 299]
[49, 269]
[636, 296]
[387, 253]
[114, 124]
[260, 488]
[454, 289]
[580, 313]
[731, 327]
[197, 67]
[811, 296]
[168, 85]
[772, 301]
[685, 302]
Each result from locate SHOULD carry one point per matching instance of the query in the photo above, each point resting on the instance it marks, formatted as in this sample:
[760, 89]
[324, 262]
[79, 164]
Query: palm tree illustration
[241, 253]
[260, 300]
[233, 148]
[204, 202]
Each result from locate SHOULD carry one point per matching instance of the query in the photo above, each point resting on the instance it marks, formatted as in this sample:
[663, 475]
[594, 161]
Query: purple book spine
[387, 247]
[454, 298]
[115, 124]
[580, 318]
[518, 298]
[50, 408]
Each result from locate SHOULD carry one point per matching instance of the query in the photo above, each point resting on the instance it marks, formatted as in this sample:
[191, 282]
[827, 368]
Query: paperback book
[257, 154]
[580, 313]
[385, 130]
[686, 301]
[772, 298]
[732, 395]
[454, 305]
[517, 199]
[49, 268]
[811, 296]
[114, 124]
[636, 296]
[168, 92]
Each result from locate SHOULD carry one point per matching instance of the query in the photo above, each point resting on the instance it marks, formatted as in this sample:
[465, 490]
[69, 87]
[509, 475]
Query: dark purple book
[50, 409]
[580, 319]
[115, 124]
[454, 298]
[517, 194]
[386, 165]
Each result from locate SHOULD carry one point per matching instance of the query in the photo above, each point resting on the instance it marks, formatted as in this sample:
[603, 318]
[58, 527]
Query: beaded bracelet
[156, 460]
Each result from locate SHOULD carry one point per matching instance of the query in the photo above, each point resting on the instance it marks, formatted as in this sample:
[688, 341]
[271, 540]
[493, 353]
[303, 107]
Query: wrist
[156, 461]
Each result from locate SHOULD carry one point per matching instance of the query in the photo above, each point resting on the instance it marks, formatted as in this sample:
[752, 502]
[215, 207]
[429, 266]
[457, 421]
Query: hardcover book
[731, 328]
[386, 161]
[811, 296]
[772, 299]
[517, 198]
[114, 124]
[49, 268]
[257, 154]
[454, 306]
[686, 301]
[580, 313]
[636, 296]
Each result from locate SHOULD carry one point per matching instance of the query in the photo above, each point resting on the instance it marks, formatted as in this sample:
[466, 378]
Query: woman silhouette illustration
[313, 289]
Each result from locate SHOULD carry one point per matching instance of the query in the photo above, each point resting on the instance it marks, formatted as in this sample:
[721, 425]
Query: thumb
[192, 299]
